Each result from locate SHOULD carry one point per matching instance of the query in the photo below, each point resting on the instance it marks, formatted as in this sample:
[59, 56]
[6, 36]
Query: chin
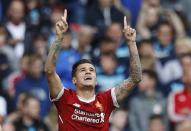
[88, 85]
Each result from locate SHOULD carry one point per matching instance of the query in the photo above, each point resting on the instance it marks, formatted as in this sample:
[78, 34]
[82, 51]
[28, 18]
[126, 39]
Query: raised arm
[135, 76]
[54, 82]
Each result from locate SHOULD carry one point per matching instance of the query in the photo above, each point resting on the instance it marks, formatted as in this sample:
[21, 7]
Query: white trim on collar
[85, 100]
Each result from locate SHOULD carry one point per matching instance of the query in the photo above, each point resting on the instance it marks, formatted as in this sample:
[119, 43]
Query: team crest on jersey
[99, 106]
[76, 105]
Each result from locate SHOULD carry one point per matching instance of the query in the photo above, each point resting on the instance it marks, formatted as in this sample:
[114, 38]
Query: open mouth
[88, 78]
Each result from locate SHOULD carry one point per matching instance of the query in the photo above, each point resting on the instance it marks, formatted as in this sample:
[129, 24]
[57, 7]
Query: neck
[27, 120]
[86, 93]
[150, 92]
[81, 48]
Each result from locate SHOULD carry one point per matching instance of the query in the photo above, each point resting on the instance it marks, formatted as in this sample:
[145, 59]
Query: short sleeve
[114, 98]
[109, 99]
[60, 94]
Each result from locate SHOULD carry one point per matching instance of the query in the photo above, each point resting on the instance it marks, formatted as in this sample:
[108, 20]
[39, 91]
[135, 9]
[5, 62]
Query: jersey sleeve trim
[113, 95]
[58, 96]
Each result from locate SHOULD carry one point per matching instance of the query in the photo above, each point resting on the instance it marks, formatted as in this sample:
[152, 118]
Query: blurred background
[162, 100]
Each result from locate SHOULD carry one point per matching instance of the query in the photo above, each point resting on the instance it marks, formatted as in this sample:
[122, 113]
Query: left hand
[129, 33]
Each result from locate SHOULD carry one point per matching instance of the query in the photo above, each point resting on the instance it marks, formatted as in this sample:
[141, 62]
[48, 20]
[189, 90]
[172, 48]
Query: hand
[14, 41]
[129, 33]
[61, 26]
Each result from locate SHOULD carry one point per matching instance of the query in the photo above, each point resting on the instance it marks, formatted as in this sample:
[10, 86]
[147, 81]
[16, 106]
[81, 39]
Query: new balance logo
[76, 105]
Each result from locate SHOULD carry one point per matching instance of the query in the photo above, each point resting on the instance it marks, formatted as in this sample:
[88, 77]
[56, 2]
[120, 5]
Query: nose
[88, 72]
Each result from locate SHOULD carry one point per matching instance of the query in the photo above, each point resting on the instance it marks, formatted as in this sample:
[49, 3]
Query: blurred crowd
[161, 101]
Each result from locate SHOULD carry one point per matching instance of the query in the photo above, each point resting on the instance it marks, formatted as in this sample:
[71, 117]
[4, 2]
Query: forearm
[178, 25]
[52, 56]
[123, 89]
[135, 64]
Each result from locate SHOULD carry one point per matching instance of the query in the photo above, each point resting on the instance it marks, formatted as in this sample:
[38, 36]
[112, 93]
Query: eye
[81, 70]
[91, 69]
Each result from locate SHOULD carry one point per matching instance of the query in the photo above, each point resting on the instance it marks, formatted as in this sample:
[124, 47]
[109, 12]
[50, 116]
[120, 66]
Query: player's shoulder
[68, 91]
[104, 92]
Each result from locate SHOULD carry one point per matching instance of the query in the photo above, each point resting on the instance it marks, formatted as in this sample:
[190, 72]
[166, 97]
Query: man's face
[114, 32]
[147, 83]
[32, 108]
[165, 34]
[85, 76]
[156, 125]
[16, 11]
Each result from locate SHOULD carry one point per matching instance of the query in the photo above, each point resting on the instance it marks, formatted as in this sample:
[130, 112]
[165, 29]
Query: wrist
[131, 42]
[59, 39]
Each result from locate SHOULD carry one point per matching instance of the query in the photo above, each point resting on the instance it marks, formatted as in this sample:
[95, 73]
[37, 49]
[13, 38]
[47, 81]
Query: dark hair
[109, 54]
[143, 42]
[29, 97]
[75, 66]
[107, 40]
[33, 58]
[156, 117]
[167, 23]
[152, 74]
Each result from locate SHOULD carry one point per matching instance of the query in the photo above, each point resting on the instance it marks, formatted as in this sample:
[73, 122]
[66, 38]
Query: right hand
[61, 26]
[129, 33]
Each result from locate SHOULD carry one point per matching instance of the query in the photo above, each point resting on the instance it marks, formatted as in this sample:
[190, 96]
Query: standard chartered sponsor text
[87, 116]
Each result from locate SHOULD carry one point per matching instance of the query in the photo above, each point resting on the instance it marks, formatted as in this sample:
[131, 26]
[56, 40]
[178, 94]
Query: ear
[74, 80]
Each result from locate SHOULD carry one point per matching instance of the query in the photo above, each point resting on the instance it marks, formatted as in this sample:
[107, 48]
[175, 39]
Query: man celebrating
[82, 109]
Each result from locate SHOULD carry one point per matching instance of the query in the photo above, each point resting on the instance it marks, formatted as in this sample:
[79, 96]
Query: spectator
[149, 101]
[33, 16]
[102, 14]
[69, 55]
[153, 13]
[19, 34]
[30, 118]
[84, 40]
[56, 13]
[147, 54]
[156, 123]
[14, 77]
[147, 21]
[7, 50]
[109, 72]
[164, 46]
[179, 107]
[119, 120]
[106, 45]
[114, 32]
[35, 83]
[19, 108]
[40, 46]
[172, 69]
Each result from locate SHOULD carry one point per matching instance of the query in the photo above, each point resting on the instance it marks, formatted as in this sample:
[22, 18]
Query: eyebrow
[92, 68]
[82, 68]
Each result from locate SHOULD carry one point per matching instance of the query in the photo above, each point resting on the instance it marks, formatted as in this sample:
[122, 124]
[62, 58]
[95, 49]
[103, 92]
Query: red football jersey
[77, 114]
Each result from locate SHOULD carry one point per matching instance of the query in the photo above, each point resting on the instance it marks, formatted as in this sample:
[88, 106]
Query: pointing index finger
[64, 18]
[125, 22]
